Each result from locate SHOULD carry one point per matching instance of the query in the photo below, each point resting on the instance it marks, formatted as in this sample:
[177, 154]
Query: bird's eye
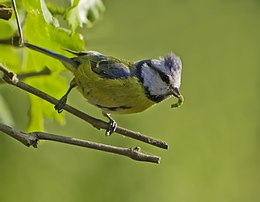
[165, 77]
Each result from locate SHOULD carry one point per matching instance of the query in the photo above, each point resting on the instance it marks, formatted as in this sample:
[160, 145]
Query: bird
[119, 86]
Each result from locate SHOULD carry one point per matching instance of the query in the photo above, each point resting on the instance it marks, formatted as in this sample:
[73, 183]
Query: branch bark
[12, 79]
[44, 71]
[32, 139]
[5, 12]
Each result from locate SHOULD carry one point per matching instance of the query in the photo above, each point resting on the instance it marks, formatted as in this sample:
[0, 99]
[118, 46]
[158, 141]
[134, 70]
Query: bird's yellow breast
[120, 96]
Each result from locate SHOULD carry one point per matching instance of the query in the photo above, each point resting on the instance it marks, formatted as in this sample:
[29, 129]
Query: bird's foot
[61, 103]
[112, 125]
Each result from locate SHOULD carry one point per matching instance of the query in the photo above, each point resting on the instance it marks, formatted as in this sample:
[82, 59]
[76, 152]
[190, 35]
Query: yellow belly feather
[122, 96]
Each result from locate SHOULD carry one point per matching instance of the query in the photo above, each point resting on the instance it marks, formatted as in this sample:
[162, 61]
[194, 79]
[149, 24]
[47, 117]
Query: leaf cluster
[52, 24]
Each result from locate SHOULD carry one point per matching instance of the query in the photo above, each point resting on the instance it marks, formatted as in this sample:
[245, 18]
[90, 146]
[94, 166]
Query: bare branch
[31, 139]
[5, 12]
[14, 41]
[20, 31]
[12, 79]
[44, 71]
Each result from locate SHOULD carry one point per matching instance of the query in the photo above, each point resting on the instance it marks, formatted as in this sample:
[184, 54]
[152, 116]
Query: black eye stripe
[165, 78]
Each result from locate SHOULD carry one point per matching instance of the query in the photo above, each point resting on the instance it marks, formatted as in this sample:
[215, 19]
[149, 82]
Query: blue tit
[119, 86]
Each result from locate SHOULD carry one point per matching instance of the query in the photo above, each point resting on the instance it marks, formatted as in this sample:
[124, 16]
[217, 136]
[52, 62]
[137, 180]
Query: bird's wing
[108, 67]
[112, 69]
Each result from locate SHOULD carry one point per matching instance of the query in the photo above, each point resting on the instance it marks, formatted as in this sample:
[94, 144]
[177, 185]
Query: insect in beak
[176, 93]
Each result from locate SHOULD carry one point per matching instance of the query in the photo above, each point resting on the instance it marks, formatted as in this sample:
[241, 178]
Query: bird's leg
[112, 124]
[62, 102]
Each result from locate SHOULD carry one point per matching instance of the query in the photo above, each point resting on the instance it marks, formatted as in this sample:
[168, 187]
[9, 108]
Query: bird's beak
[177, 94]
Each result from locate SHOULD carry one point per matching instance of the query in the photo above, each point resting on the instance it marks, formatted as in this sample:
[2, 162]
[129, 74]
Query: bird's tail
[68, 62]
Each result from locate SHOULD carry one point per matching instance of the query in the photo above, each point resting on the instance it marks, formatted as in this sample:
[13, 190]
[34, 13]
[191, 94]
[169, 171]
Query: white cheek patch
[153, 82]
[177, 79]
[175, 74]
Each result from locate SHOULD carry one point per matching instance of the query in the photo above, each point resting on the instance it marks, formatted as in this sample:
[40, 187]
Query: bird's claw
[60, 105]
[62, 102]
[112, 127]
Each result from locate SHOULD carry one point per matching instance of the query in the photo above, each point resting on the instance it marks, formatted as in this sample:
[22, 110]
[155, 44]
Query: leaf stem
[20, 31]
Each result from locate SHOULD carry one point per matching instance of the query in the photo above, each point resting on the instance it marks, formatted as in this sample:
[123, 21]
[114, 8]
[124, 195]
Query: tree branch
[32, 139]
[44, 71]
[12, 79]
[5, 12]
[20, 31]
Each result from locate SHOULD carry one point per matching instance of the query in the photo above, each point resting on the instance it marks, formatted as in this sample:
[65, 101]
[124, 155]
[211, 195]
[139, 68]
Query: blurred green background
[213, 137]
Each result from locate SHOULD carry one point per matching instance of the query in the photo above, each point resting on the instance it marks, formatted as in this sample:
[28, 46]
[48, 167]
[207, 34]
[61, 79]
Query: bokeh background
[213, 137]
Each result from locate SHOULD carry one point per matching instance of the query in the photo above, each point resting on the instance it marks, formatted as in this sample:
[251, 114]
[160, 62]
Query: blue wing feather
[107, 67]
[112, 69]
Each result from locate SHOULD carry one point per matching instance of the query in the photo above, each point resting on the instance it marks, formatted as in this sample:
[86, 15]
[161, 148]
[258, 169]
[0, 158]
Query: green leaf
[59, 6]
[48, 17]
[77, 12]
[42, 27]
[55, 85]
[11, 58]
[5, 113]
[84, 12]
[7, 29]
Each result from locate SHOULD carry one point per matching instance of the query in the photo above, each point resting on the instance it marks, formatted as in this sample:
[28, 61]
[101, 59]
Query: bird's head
[162, 78]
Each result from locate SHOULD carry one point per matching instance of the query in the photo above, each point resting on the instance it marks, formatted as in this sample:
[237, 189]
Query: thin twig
[20, 31]
[44, 71]
[12, 79]
[31, 139]
[14, 41]
[5, 12]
